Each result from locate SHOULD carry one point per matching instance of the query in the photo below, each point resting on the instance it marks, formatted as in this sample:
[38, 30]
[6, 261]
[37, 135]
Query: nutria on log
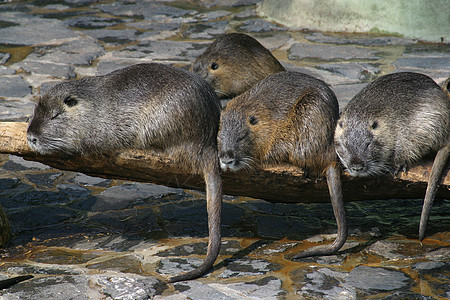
[142, 106]
[392, 123]
[287, 117]
[234, 63]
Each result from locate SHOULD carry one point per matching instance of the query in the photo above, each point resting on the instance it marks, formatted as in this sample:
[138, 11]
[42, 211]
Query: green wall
[419, 19]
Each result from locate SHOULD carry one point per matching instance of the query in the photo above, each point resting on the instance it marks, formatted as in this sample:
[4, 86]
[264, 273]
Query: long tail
[214, 207]
[439, 164]
[334, 182]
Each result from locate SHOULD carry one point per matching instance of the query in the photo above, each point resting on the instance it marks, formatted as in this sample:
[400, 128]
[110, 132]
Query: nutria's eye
[341, 124]
[374, 125]
[253, 120]
[214, 66]
[70, 102]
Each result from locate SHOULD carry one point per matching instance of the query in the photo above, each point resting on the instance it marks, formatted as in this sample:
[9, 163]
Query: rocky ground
[90, 238]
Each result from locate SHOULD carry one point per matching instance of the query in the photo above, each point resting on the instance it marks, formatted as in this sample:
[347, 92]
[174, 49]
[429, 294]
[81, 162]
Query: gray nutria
[287, 117]
[391, 124]
[234, 63]
[141, 106]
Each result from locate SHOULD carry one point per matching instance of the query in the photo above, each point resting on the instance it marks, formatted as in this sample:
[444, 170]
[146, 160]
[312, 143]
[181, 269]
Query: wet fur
[411, 114]
[141, 106]
[288, 117]
[241, 62]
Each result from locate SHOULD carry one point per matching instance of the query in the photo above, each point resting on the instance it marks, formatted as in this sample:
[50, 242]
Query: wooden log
[285, 183]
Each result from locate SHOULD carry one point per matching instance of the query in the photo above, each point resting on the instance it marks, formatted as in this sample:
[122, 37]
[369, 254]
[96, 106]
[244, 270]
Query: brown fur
[141, 106]
[234, 63]
[287, 117]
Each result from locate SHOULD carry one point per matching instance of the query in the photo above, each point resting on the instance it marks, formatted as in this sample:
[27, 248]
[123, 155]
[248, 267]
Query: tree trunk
[285, 183]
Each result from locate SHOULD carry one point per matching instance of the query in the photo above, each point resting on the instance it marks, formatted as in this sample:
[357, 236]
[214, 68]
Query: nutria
[391, 124]
[287, 117]
[141, 106]
[234, 63]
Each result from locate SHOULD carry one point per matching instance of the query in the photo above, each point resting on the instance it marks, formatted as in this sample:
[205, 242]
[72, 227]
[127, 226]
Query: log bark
[284, 183]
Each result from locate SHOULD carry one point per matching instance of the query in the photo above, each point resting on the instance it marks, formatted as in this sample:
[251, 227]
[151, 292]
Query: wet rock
[155, 26]
[226, 248]
[6, 71]
[378, 279]
[325, 283]
[120, 287]
[112, 36]
[259, 25]
[207, 31]
[345, 92]
[92, 22]
[197, 290]
[417, 63]
[147, 10]
[85, 180]
[386, 249]
[175, 266]
[353, 70]
[126, 221]
[47, 68]
[56, 287]
[125, 264]
[20, 164]
[123, 196]
[32, 30]
[13, 86]
[264, 288]
[319, 37]
[62, 257]
[300, 51]
[46, 180]
[168, 50]
[248, 267]
[212, 15]
[81, 51]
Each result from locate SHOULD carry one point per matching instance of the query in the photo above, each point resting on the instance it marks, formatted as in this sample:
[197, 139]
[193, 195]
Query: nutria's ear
[35, 99]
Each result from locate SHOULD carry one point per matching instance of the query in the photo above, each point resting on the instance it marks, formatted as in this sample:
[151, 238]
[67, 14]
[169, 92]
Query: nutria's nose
[226, 158]
[356, 168]
[32, 140]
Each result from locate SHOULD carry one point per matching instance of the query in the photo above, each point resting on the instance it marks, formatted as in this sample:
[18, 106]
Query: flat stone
[112, 36]
[13, 86]
[156, 26]
[22, 164]
[122, 196]
[176, 266]
[15, 110]
[212, 15]
[86, 180]
[263, 288]
[300, 51]
[345, 92]
[121, 287]
[4, 70]
[147, 10]
[197, 290]
[386, 249]
[343, 39]
[168, 50]
[207, 31]
[126, 264]
[380, 279]
[248, 267]
[428, 265]
[32, 30]
[353, 70]
[46, 180]
[433, 63]
[92, 22]
[259, 25]
[62, 257]
[81, 51]
[17, 269]
[325, 283]
[47, 68]
[226, 248]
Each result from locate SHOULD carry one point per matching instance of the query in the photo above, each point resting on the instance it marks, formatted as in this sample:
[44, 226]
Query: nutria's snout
[228, 161]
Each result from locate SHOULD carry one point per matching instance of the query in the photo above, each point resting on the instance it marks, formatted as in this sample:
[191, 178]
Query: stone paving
[90, 238]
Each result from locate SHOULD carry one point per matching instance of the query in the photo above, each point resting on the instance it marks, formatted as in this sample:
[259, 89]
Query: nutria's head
[241, 135]
[235, 62]
[363, 145]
